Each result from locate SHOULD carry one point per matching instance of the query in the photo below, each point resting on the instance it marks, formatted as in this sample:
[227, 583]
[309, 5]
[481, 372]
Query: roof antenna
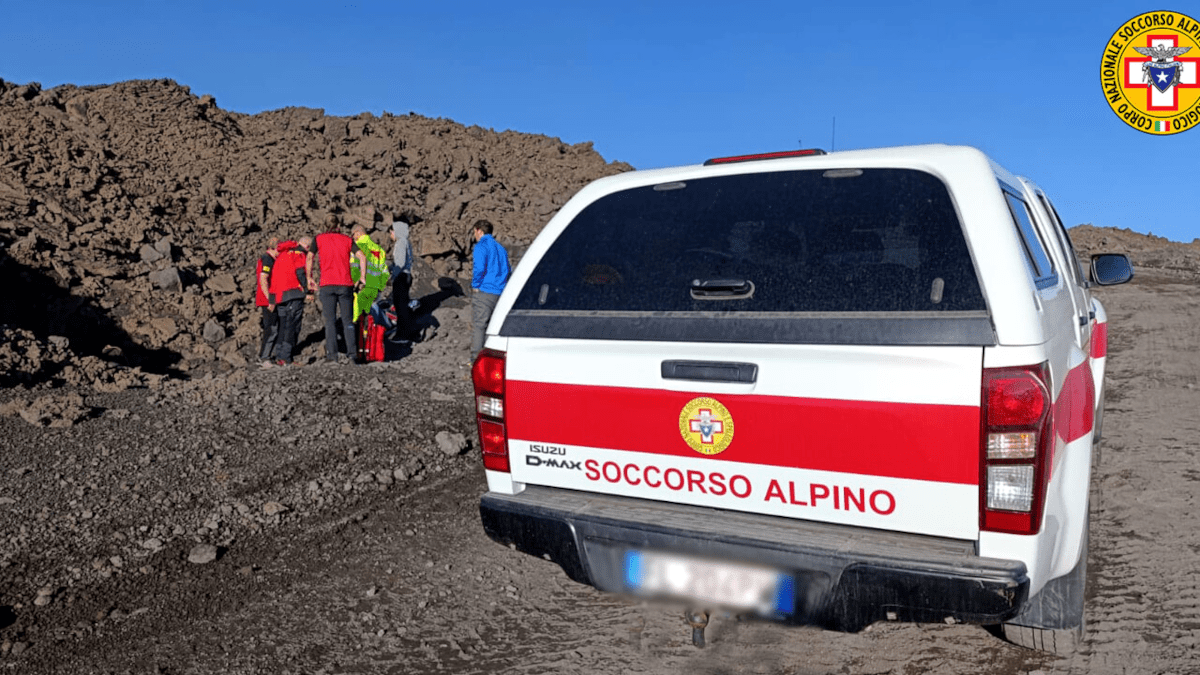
[833, 138]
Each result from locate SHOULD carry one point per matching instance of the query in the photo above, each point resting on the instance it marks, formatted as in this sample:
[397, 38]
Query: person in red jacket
[266, 302]
[334, 251]
[288, 283]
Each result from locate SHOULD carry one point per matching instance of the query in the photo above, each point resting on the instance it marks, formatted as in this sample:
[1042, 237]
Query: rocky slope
[1145, 251]
[131, 214]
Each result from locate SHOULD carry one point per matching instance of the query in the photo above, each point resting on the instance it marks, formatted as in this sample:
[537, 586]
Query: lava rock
[202, 554]
[450, 443]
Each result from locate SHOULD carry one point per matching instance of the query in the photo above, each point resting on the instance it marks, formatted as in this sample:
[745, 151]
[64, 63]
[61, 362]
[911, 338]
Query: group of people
[349, 273]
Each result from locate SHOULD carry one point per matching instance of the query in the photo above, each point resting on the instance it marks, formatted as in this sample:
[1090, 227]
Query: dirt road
[366, 576]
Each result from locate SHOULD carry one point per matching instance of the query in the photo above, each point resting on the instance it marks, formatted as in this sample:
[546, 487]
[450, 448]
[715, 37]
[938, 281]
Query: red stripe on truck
[1100, 340]
[1075, 408]
[917, 441]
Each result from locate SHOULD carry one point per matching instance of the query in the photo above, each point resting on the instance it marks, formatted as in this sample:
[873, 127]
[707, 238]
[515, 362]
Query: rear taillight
[488, 375]
[1016, 445]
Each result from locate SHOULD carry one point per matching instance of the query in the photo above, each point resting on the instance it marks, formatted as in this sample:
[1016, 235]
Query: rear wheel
[1063, 642]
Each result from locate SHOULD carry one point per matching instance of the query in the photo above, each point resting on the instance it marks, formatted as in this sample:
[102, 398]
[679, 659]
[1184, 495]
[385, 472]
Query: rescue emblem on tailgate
[706, 425]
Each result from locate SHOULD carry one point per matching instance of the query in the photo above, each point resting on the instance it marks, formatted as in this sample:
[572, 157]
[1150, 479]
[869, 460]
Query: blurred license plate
[731, 585]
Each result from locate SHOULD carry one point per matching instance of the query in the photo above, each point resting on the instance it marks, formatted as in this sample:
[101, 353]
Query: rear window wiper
[722, 289]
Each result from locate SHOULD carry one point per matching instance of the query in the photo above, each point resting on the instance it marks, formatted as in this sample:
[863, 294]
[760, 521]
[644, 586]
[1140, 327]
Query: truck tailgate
[884, 437]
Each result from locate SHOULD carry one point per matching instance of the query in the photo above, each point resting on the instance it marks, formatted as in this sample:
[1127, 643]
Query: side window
[1073, 262]
[1044, 274]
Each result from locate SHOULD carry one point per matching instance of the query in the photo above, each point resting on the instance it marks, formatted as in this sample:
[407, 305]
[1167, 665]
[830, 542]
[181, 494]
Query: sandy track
[1144, 595]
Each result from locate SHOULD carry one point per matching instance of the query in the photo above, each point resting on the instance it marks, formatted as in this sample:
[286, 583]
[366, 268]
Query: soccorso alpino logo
[1149, 72]
[706, 425]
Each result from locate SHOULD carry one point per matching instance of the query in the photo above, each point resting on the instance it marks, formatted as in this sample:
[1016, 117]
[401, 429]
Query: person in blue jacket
[490, 272]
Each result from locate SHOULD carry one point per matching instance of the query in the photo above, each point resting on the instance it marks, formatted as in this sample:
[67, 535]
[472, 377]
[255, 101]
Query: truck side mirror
[1110, 269]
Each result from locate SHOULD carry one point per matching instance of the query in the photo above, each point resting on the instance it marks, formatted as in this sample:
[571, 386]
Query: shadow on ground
[40, 303]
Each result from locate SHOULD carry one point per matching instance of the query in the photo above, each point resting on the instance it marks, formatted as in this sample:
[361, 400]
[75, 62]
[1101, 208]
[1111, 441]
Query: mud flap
[1059, 605]
[1053, 620]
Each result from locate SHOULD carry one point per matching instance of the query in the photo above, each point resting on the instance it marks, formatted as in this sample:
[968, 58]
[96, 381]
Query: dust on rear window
[843, 240]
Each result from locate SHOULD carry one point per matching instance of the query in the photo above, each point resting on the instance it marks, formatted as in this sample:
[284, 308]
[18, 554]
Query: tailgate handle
[710, 371]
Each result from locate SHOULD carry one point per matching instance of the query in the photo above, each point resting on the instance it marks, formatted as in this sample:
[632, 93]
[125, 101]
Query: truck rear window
[840, 240]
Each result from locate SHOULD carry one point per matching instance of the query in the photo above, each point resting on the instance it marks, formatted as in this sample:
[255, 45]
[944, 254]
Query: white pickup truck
[828, 389]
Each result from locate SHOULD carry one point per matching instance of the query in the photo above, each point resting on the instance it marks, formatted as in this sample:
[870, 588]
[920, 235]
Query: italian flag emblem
[1162, 126]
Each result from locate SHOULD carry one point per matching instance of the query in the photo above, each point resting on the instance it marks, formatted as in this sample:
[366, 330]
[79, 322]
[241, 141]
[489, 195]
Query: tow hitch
[698, 619]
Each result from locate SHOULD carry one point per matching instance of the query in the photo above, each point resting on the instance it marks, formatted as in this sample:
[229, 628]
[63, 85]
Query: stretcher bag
[370, 340]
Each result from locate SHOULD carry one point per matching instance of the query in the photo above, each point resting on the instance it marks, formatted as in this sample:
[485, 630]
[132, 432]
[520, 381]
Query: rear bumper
[846, 578]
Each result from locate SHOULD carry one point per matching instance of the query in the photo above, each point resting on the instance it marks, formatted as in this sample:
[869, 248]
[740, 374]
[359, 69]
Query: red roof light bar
[765, 155]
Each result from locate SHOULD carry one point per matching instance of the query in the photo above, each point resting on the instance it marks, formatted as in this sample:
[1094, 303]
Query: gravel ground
[323, 519]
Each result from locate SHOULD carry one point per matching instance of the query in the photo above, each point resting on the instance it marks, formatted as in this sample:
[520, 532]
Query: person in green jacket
[377, 272]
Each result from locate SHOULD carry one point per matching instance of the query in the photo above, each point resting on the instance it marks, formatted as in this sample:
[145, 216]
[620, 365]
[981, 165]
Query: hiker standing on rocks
[288, 281]
[335, 250]
[376, 277]
[490, 272]
[402, 280]
[266, 301]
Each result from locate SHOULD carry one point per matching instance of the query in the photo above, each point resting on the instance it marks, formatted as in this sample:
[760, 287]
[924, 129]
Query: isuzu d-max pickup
[827, 389]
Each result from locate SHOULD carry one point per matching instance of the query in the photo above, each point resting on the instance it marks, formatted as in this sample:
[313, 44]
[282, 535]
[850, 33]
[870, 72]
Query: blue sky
[665, 83]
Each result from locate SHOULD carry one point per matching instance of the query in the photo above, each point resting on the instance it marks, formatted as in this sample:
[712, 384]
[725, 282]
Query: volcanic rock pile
[1145, 251]
[132, 214]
